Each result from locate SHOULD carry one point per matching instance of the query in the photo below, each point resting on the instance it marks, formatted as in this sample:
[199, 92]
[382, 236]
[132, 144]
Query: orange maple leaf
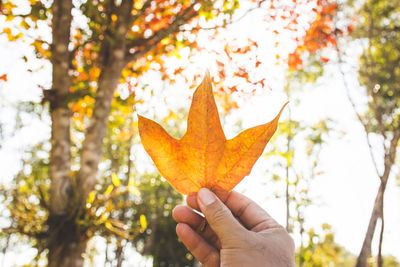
[203, 157]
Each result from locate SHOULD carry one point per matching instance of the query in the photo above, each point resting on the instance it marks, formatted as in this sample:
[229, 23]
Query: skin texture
[238, 232]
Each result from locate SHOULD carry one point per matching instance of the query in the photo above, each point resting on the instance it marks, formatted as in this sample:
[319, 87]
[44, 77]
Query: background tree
[296, 156]
[377, 31]
[159, 241]
[374, 28]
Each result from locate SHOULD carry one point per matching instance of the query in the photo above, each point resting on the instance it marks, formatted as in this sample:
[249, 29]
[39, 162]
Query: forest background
[77, 188]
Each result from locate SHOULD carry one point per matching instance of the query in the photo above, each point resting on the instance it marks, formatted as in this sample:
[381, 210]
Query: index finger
[251, 215]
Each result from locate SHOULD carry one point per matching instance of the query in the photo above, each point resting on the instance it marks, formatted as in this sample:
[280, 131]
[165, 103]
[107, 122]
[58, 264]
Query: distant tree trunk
[380, 259]
[119, 253]
[288, 228]
[106, 256]
[301, 259]
[289, 140]
[148, 244]
[377, 211]
[4, 250]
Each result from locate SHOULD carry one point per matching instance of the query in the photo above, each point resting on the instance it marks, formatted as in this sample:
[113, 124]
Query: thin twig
[226, 23]
[353, 105]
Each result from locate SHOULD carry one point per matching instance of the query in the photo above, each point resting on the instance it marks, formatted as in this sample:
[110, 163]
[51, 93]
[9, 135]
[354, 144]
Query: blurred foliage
[321, 250]
[379, 71]
[376, 30]
[158, 199]
[374, 26]
[295, 154]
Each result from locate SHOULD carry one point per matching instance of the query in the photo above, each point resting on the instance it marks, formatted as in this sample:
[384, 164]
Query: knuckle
[219, 214]
[211, 260]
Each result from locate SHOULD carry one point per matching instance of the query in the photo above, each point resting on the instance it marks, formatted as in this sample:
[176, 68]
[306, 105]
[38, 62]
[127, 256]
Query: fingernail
[206, 196]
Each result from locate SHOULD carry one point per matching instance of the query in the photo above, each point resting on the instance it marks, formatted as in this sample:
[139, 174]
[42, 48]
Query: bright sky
[344, 193]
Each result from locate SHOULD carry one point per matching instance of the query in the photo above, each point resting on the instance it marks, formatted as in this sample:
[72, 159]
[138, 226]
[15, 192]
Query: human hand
[238, 232]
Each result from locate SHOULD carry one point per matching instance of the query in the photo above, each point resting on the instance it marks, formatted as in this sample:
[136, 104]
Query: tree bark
[376, 212]
[380, 259]
[65, 244]
[60, 155]
[67, 252]
[65, 247]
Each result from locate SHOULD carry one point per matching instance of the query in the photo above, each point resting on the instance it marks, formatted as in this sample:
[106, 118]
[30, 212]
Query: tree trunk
[379, 257]
[67, 253]
[119, 253]
[376, 213]
[287, 197]
[65, 245]
[60, 154]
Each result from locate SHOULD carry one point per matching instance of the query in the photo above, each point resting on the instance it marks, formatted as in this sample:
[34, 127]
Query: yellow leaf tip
[207, 73]
[287, 102]
[207, 77]
[280, 112]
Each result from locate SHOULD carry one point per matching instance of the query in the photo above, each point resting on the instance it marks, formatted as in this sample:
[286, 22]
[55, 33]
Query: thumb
[219, 217]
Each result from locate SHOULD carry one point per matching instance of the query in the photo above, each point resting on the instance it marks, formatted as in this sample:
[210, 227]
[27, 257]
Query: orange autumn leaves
[203, 157]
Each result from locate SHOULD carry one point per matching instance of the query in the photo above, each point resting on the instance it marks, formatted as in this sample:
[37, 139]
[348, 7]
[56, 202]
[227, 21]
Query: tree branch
[124, 17]
[111, 66]
[245, 14]
[141, 11]
[353, 105]
[148, 44]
